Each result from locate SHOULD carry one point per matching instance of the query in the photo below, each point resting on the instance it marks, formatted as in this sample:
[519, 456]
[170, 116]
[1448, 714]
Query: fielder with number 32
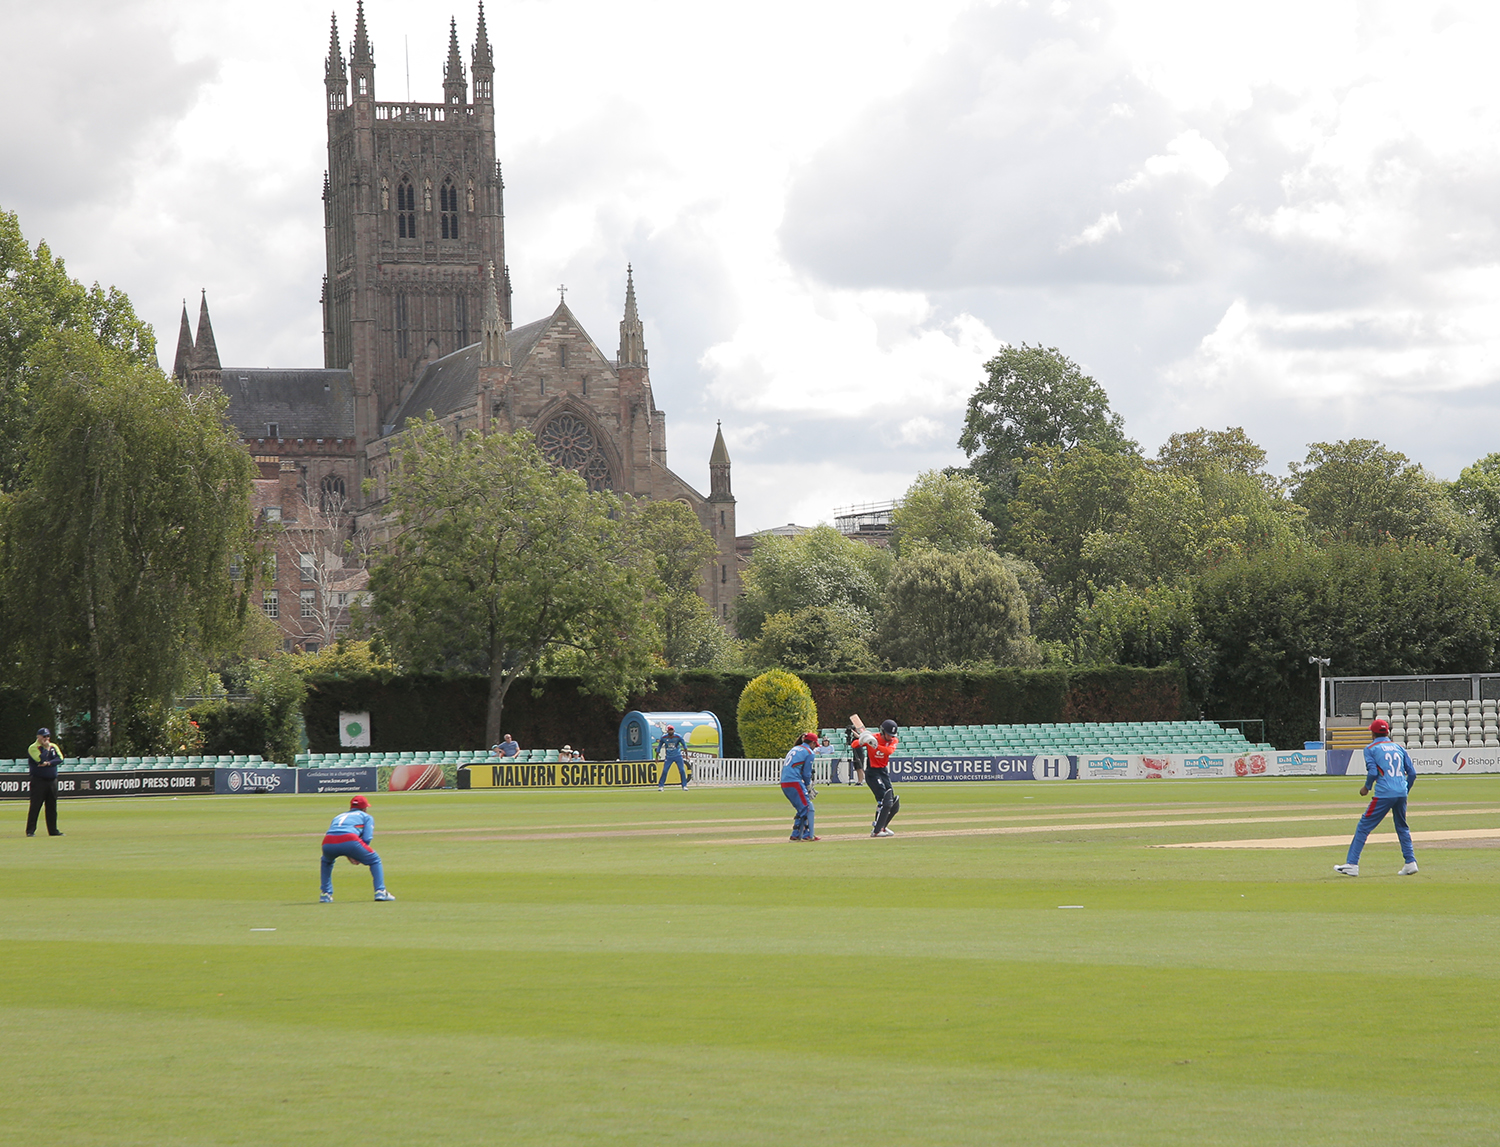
[1390, 772]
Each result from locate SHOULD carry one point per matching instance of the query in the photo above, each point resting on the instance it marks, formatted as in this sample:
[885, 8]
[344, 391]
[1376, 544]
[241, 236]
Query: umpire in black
[45, 758]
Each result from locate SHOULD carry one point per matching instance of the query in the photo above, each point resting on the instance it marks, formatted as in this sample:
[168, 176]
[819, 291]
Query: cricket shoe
[325, 898]
[382, 894]
[885, 832]
[1346, 869]
[1408, 869]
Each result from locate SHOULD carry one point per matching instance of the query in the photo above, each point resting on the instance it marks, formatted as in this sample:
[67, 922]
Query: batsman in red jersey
[879, 747]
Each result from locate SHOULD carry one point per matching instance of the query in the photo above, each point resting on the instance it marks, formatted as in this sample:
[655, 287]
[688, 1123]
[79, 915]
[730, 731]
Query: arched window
[406, 209]
[448, 208]
[333, 494]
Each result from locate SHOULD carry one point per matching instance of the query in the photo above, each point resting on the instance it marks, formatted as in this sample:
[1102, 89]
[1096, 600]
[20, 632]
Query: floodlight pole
[1322, 663]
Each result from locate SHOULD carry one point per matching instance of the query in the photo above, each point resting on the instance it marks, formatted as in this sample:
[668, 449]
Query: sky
[1280, 215]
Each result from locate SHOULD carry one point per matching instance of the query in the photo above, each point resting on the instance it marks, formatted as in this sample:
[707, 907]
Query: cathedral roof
[450, 383]
[301, 403]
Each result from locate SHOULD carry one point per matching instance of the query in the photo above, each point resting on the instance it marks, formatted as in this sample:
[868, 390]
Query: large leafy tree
[37, 300]
[1394, 608]
[115, 542]
[1065, 499]
[1359, 490]
[1033, 396]
[816, 639]
[944, 512]
[1477, 496]
[501, 561]
[676, 548]
[945, 609]
[820, 567]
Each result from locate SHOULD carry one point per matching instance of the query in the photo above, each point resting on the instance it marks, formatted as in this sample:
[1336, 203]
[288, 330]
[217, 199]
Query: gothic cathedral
[417, 320]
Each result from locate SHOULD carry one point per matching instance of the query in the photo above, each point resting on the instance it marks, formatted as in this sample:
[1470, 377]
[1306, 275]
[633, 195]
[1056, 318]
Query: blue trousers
[666, 765]
[1379, 806]
[802, 823]
[357, 851]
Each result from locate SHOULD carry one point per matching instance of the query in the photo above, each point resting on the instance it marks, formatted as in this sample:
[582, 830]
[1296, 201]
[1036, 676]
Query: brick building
[417, 319]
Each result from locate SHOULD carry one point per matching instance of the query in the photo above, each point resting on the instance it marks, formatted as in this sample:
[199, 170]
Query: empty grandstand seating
[1428, 724]
[112, 764]
[1079, 738]
[441, 756]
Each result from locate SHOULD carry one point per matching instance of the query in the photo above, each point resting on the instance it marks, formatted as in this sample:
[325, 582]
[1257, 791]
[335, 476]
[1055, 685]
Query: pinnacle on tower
[632, 334]
[363, 51]
[184, 360]
[495, 350]
[718, 470]
[205, 350]
[484, 63]
[362, 57]
[335, 63]
[335, 71]
[455, 85]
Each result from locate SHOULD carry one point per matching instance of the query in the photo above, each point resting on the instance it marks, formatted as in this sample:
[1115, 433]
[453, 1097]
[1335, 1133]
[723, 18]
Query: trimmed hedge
[447, 711]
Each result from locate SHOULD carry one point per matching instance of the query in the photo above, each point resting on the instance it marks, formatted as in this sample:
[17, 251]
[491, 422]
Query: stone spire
[362, 57]
[335, 71]
[495, 348]
[205, 350]
[718, 470]
[632, 334]
[455, 85]
[183, 363]
[484, 63]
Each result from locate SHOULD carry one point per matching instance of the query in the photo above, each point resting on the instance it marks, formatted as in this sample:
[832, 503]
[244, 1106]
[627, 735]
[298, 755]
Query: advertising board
[135, 783]
[247, 780]
[978, 768]
[353, 780]
[579, 774]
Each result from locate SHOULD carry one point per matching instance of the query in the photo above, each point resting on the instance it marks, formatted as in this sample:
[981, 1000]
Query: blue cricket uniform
[670, 746]
[1390, 775]
[350, 835]
[796, 786]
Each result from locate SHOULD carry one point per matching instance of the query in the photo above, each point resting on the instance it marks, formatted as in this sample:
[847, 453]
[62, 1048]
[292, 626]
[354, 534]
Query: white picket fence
[728, 772]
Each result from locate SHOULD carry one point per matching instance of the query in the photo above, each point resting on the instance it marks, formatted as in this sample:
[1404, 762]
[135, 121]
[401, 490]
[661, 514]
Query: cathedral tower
[413, 216]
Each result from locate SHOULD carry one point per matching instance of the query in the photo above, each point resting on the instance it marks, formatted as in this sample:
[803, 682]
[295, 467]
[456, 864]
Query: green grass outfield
[639, 967]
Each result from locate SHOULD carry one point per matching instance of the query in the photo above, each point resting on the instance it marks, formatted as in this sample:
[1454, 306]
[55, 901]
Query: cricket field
[1025, 962]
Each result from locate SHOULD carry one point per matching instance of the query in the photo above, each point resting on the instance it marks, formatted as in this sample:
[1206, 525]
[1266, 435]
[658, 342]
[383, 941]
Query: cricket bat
[859, 727]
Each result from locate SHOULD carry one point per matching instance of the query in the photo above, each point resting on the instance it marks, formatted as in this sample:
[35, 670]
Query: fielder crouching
[350, 835]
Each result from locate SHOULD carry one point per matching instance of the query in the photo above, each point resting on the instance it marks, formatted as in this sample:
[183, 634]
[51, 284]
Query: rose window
[567, 441]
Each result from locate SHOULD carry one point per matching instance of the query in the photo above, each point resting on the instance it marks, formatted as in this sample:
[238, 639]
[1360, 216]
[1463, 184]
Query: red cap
[358, 802]
[810, 738]
[1380, 727]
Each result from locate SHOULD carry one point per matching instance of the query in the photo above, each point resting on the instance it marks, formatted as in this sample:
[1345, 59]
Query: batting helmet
[888, 727]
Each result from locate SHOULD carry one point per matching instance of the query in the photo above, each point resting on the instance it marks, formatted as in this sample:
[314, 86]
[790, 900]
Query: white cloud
[1280, 215]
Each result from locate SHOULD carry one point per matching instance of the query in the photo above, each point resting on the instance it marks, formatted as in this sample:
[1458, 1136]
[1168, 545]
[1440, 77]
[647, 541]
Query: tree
[1395, 608]
[1033, 397]
[820, 567]
[37, 300]
[115, 545]
[500, 560]
[676, 547]
[1477, 496]
[1359, 490]
[817, 639]
[774, 710]
[942, 511]
[1203, 452]
[1148, 626]
[1063, 499]
[951, 609]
